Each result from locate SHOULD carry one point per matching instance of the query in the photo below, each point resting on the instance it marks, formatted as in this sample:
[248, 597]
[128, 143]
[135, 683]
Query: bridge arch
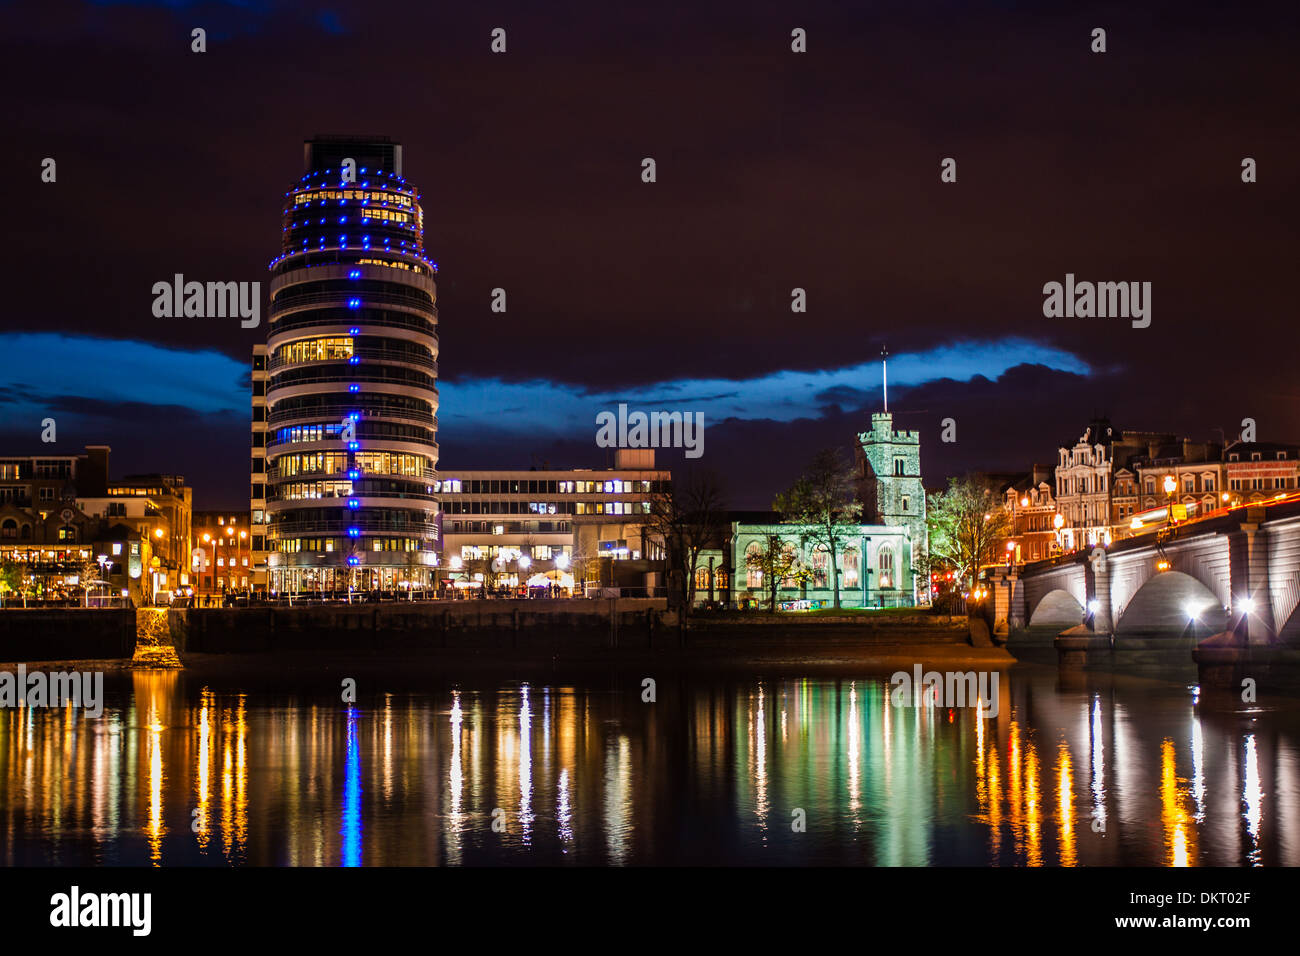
[1204, 559]
[1057, 608]
[1170, 602]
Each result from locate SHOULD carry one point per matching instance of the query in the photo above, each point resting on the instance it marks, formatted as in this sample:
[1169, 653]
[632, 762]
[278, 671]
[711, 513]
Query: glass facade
[351, 397]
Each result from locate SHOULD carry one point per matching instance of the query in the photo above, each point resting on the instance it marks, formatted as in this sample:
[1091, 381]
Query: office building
[347, 496]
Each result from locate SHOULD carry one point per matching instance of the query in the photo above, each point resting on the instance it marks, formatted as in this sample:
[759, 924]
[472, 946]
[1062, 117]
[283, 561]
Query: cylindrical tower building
[351, 394]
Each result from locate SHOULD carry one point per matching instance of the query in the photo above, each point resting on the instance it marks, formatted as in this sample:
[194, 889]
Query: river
[717, 769]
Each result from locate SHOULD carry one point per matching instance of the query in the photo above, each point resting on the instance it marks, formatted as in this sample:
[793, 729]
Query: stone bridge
[1235, 576]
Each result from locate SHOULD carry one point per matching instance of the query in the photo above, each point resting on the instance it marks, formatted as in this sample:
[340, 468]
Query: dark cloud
[775, 170]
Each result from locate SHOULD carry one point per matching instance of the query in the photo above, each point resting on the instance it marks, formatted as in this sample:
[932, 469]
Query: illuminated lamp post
[158, 536]
[103, 560]
[1170, 486]
[207, 559]
[231, 562]
[1058, 522]
[562, 565]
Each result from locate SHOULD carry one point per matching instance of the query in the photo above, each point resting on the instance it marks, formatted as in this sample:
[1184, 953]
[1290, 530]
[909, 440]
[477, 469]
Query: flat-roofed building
[349, 397]
[1198, 474]
[221, 554]
[258, 517]
[510, 529]
[169, 504]
[1257, 471]
[61, 519]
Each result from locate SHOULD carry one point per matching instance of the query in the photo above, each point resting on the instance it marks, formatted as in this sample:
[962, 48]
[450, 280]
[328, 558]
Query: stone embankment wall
[66, 634]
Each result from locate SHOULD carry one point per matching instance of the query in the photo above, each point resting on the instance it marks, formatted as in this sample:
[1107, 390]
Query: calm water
[178, 772]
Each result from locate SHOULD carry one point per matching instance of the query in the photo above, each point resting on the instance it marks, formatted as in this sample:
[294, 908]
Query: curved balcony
[339, 389]
[400, 501]
[329, 325]
[349, 374]
[395, 444]
[336, 413]
[288, 528]
[301, 265]
[281, 560]
[339, 300]
[273, 474]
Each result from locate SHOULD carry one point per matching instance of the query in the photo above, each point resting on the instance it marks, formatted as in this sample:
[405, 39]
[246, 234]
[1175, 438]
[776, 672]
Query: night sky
[775, 170]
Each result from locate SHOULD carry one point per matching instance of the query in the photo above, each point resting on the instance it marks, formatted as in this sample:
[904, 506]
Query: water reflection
[180, 773]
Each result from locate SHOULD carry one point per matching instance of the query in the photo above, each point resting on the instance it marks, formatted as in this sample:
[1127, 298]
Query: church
[882, 564]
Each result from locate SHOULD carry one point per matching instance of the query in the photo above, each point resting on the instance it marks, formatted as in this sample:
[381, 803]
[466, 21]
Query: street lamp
[103, 561]
[1170, 486]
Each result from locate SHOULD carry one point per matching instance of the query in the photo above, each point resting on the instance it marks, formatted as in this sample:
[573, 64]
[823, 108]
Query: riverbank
[463, 631]
[311, 643]
[812, 658]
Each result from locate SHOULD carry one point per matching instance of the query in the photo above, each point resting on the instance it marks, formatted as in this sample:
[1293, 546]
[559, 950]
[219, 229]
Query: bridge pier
[1098, 584]
[1081, 647]
[1247, 650]
[1092, 642]
[1008, 602]
[1251, 594]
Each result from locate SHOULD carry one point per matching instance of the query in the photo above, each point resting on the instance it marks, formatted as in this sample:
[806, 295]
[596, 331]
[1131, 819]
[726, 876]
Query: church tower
[888, 466]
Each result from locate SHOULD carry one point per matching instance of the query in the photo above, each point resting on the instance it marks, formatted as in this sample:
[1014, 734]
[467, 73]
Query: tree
[490, 568]
[527, 547]
[413, 568]
[965, 523]
[88, 570]
[685, 518]
[776, 562]
[351, 560]
[823, 500]
[11, 580]
[581, 562]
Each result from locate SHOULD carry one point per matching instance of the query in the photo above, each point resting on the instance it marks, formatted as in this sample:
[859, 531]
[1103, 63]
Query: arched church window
[754, 576]
[885, 564]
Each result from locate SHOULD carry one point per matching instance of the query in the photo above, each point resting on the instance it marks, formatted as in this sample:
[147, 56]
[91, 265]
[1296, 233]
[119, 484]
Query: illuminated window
[849, 564]
[754, 576]
[316, 350]
[821, 562]
[885, 562]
